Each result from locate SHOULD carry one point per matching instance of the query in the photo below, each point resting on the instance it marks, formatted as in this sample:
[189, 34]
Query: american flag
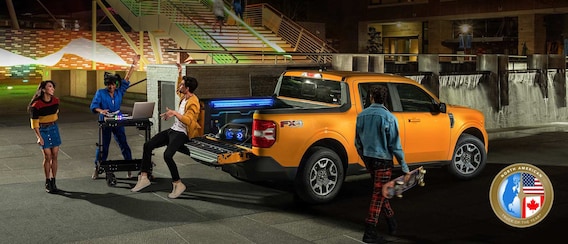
[531, 184]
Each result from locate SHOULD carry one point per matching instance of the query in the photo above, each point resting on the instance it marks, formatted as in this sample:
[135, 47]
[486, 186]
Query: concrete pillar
[490, 63]
[361, 63]
[430, 63]
[342, 62]
[558, 62]
[78, 83]
[377, 63]
[540, 63]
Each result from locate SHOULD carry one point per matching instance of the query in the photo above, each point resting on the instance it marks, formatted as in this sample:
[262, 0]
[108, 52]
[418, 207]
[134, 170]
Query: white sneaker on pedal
[142, 183]
[178, 189]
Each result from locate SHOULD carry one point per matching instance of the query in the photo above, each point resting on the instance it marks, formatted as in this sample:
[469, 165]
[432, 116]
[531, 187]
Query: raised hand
[179, 67]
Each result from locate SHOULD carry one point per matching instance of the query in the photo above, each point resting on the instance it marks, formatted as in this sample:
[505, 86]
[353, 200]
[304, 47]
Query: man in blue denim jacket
[377, 141]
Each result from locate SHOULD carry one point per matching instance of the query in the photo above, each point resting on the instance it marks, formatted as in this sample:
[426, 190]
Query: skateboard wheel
[399, 196]
[422, 184]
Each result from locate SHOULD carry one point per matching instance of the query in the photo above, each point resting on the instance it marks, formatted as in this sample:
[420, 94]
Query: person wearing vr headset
[184, 128]
[106, 102]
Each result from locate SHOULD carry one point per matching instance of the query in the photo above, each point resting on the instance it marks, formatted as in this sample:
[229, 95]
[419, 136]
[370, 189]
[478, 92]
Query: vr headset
[112, 79]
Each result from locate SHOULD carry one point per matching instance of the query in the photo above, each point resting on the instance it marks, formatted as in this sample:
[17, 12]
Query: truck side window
[366, 100]
[313, 89]
[414, 99]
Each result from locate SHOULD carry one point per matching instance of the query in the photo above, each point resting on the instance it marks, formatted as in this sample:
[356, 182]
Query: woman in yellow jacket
[184, 128]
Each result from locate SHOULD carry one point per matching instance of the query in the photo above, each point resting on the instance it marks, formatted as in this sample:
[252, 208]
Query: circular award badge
[521, 195]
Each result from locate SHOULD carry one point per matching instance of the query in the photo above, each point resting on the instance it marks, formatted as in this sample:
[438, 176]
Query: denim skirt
[50, 135]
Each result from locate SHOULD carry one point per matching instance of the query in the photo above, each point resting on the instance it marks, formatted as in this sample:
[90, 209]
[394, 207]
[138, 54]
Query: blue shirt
[103, 100]
[376, 135]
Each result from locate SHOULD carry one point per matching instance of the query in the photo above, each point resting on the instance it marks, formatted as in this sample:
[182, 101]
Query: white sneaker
[178, 189]
[142, 183]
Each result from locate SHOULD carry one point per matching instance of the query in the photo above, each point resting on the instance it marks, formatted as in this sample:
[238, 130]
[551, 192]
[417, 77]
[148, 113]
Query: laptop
[142, 110]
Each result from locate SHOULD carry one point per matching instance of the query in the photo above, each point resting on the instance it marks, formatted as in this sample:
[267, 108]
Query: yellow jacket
[191, 114]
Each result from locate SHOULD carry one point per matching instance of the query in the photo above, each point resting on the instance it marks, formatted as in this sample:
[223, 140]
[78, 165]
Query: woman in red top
[44, 109]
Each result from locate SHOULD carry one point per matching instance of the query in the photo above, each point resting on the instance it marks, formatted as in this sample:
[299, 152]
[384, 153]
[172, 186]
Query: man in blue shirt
[377, 142]
[106, 102]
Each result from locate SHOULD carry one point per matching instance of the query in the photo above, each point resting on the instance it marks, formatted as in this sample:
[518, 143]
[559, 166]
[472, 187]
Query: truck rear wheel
[321, 176]
[469, 157]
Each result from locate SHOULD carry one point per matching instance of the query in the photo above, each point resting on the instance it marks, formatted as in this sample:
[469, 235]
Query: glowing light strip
[249, 102]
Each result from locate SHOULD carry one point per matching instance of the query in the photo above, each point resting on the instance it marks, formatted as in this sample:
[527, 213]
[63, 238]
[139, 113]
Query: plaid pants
[380, 174]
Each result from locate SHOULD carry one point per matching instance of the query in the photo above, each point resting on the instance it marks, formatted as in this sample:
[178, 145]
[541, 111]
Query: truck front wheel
[320, 177]
[469, 157]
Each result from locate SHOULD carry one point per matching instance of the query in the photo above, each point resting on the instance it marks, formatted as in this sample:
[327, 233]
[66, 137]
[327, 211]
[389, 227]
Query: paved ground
[219, 209]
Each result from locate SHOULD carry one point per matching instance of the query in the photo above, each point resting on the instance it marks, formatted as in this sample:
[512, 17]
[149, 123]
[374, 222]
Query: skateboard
[397, 186]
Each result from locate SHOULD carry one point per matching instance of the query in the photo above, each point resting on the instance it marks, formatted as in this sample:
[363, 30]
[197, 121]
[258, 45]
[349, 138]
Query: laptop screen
[142, 110]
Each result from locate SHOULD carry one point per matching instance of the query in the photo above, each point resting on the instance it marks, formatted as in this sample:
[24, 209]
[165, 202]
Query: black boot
[48, 186]
[53, 186]
[370, 235]
[391, 222]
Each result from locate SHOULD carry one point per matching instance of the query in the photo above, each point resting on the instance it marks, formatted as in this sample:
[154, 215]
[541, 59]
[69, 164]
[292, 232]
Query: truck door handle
[414, 120]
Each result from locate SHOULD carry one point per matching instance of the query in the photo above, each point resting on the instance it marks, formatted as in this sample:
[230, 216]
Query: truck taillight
[263, 133]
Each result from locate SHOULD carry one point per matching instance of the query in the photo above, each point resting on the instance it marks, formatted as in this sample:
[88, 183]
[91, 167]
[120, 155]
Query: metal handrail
[172, 10]
[300, 39]
[211, 38]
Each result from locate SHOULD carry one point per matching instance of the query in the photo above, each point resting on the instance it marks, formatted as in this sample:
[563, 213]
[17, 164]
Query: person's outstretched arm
[135, 60]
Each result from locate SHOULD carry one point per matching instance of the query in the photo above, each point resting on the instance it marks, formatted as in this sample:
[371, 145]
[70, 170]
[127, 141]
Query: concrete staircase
[189, 23]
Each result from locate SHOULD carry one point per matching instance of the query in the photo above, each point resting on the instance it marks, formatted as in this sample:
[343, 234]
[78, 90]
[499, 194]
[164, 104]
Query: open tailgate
[214, 152]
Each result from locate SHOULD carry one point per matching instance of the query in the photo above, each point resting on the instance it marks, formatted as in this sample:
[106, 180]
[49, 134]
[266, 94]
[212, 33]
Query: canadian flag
[531, 205]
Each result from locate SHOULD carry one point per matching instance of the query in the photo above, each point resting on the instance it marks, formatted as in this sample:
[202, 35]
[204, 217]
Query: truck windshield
[317, 90]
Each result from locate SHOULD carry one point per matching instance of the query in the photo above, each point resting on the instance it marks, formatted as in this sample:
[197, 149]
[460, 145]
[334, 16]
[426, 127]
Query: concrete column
[342, 62]
[377, 63]
[361, 63]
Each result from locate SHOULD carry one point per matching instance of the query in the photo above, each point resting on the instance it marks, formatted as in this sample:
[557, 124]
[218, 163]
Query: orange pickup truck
[305, 132]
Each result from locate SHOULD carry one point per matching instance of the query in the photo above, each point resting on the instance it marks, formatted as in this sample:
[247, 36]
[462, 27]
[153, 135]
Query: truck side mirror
[442, 107]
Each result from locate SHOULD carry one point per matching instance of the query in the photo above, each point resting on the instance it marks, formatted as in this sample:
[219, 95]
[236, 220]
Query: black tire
[469, 157]
[320, 177]
[110, 179]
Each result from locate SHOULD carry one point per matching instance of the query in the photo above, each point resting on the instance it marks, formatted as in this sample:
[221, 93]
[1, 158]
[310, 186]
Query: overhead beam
[139, 51]
[13, 16]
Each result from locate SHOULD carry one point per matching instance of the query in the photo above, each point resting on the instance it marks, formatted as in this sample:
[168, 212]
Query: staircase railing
[260, 15]
[174, 11]
[301, 39]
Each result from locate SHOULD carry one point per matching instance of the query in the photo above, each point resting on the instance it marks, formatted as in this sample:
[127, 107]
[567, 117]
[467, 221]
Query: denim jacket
[103, 100]
[376, 135]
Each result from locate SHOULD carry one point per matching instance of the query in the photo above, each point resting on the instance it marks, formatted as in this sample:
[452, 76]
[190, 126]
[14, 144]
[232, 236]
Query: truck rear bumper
[260, 169]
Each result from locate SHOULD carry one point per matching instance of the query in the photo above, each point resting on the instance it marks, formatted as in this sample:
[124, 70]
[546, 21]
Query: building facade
[513, 27]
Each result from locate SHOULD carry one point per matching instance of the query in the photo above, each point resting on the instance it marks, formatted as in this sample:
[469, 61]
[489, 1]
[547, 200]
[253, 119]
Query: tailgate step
[215, 152]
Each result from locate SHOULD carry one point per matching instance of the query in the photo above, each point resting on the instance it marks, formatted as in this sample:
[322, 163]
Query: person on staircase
[106, 102]
[219, 12]
[239, 8]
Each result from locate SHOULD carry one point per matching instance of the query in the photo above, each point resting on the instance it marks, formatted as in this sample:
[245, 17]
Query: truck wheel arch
[303, 182]
[469, 157]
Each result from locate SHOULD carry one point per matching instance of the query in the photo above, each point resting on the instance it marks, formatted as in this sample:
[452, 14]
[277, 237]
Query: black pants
[173, 140]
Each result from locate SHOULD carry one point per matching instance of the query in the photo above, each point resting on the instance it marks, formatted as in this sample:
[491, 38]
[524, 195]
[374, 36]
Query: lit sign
[237, 103]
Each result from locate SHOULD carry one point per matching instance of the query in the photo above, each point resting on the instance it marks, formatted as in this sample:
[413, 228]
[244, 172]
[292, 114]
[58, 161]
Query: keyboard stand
[110, 166]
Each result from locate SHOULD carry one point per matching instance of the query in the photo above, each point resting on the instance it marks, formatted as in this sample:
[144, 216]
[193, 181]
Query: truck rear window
[318, 90]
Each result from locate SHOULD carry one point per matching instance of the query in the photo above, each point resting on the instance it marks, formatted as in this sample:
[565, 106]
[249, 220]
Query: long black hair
[39, 92]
